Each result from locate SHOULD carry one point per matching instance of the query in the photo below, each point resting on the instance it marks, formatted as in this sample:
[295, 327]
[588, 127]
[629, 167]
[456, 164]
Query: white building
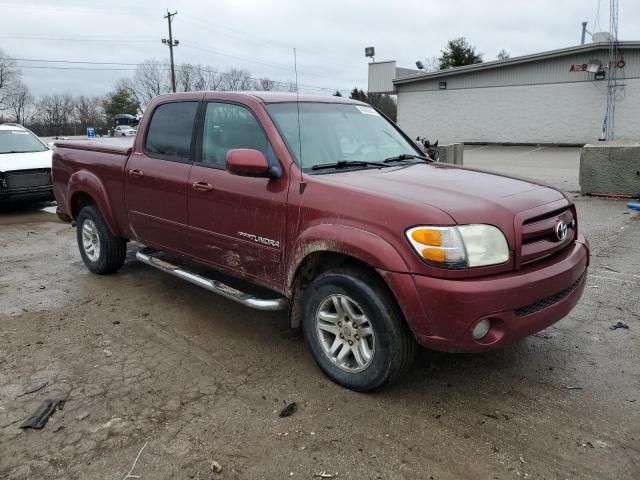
[550, 97]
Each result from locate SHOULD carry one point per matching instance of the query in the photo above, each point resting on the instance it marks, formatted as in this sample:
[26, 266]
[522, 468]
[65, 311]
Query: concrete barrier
[610, 167]
[452, 153]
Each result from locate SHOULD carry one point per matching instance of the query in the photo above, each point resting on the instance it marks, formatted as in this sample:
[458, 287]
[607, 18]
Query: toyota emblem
[561, 230]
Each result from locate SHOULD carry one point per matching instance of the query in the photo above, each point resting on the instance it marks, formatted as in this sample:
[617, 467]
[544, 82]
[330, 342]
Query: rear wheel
[101, 252]
[355, 331]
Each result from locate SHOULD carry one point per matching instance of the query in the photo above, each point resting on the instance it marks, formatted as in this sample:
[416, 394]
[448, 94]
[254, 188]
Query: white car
[25, 165]
[124, 131]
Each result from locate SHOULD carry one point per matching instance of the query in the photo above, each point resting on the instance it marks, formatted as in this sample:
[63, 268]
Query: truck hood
[468, 196]
[25, 161]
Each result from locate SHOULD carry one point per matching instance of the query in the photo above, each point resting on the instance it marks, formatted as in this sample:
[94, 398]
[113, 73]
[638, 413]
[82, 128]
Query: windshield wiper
[348, 163]
[407, 156]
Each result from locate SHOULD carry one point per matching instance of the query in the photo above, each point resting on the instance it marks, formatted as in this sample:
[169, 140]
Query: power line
[209, 25]
[75, 38]
[259, 62]
[115, 9]
[213, 73]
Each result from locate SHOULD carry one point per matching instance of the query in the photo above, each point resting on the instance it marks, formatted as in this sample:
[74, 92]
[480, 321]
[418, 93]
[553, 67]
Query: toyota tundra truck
[324, 207]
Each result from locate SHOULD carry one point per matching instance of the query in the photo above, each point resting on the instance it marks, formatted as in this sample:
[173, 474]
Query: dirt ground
[142, 358]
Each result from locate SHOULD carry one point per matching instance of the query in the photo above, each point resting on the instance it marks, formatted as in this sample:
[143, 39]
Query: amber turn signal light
[434, 255]
[427, 236]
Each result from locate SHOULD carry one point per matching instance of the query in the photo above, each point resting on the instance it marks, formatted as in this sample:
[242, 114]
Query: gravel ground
[142, 358]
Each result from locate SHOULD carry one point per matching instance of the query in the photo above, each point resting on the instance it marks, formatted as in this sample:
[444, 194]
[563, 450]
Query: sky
[329, 35]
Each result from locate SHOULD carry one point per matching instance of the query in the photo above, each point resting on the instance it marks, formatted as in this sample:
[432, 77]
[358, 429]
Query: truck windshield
[20, 141]
[338, 132]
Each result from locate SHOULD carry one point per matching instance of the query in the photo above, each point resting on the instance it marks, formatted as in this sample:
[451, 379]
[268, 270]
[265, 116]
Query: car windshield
[20, 141]
[338, 132]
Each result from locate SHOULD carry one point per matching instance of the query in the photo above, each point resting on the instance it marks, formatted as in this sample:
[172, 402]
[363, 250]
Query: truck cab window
[169, 133]
[228, 126]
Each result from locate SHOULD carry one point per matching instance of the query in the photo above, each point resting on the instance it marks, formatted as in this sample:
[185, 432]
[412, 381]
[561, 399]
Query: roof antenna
[295, 68]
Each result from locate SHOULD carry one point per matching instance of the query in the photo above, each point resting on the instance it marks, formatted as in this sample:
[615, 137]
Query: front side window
[335, 132]
[20, 141]
[228, 126]
[170, 130]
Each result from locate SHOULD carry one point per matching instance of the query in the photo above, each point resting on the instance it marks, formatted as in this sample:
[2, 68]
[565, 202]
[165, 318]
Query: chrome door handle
[136, 173]
[202, 186]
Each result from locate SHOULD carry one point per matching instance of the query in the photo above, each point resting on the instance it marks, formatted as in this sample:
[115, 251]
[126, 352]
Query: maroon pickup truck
[323, 206]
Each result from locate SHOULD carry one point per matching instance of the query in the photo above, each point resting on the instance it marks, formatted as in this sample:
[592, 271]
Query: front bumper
[29, 193]
[442, 313]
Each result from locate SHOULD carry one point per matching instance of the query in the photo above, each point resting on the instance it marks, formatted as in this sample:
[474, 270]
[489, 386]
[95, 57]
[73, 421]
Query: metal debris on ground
[128, 475]
[216, 467]
[41, 416]
[573, 387]
[619, 325]
[325, 475]
[289, 410]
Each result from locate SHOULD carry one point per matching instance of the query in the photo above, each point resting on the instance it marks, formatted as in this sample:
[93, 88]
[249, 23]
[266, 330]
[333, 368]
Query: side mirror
[249, 163]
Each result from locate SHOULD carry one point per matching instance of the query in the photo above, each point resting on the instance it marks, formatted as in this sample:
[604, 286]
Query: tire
[101, 252]
[361, 296]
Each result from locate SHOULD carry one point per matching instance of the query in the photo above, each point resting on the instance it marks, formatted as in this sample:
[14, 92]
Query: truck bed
[76, 164]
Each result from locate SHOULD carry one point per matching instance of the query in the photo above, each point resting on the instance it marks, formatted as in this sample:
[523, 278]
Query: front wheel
[354, 330]
[101, 252]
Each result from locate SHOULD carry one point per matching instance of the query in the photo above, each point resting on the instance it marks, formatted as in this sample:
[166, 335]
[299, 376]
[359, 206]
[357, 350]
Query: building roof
[534, 57]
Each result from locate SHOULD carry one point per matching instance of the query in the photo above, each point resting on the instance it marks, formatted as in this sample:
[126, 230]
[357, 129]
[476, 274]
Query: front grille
[547, 301]
[28, 179]
[539, 238]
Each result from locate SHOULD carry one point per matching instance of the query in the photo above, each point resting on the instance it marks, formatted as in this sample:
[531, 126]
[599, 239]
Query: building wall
[553, 113]
[535, 102]
[381, 75]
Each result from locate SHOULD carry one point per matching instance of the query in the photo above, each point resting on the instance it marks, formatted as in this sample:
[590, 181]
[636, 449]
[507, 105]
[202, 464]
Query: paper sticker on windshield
[367, 110]
[18, 132]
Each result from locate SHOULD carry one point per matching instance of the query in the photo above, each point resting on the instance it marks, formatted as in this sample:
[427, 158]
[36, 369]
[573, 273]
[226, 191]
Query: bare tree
[431, 64]
[88, 111]
[150, 80]
[9, 76]
[237, 79]
[20, 102]
[266, 84]
[215, 80]
[502, 55]
[55, 112]
[186, 77]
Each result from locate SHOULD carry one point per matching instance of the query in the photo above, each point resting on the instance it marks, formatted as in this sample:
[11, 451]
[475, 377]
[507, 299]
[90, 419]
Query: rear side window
[170, 130]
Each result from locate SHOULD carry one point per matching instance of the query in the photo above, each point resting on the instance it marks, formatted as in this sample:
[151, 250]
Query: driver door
[236, 223]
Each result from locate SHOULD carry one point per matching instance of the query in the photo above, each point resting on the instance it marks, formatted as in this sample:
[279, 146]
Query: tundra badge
[257, 239]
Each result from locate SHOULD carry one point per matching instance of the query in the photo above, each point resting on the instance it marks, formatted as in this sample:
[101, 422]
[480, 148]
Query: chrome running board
[150, 257]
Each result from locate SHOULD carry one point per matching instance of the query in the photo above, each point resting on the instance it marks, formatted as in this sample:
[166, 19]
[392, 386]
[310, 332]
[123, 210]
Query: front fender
[361, 244]
[83, 181]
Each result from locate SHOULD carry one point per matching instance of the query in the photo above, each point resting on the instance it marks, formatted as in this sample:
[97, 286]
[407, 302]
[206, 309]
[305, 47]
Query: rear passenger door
[236, 222]
[156, 177]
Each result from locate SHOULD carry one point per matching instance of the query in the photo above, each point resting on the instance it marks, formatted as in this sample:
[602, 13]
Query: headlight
[460, 246]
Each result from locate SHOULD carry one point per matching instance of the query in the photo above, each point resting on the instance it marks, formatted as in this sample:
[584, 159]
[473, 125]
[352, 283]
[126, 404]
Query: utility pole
[171, 43]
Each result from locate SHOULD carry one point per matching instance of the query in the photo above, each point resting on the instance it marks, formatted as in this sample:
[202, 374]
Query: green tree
[381, 101]
[458, 53]
[357, 94]
[120, 100]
